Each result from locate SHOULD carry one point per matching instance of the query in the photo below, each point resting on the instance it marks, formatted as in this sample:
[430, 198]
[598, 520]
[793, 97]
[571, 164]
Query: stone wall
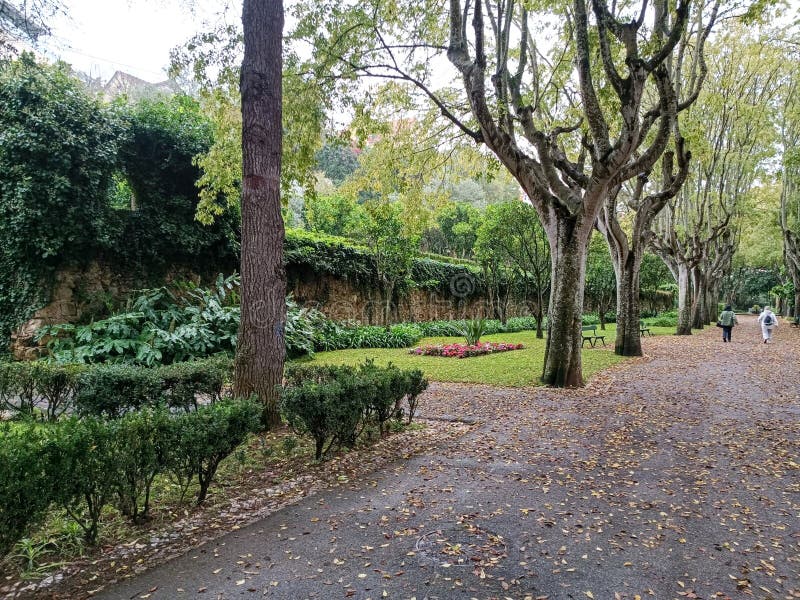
[78, 293]
[340, 300]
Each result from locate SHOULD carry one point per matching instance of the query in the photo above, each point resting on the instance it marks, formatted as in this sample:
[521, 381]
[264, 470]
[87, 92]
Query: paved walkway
[675, 476]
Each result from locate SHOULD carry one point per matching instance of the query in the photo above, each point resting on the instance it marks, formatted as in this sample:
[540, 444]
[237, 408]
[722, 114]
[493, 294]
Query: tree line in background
[600, 123]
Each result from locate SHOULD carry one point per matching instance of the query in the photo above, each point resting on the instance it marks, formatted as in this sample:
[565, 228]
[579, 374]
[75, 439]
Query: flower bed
[464, 351]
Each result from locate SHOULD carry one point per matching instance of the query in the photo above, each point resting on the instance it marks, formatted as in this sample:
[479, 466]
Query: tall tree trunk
[261, 345]
[698, 299]
[797, 302]
[684, 302]
[712, 301]
[539, 314]
[629, 341]
[562, 362]
[387, 306]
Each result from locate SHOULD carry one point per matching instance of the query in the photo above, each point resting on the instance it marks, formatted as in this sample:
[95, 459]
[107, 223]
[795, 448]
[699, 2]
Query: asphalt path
[673, 476]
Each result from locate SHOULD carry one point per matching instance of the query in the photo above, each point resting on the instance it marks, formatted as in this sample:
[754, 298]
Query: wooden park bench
[644, 329]
[591, 337]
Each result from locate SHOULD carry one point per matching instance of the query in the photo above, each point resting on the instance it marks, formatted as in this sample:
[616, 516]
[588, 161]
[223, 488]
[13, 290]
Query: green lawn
[515, 369]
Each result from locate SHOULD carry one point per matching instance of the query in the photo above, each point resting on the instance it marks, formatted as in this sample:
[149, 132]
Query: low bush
[88, 471]
[86, 464]
[665, 319]
[386, 387]
[113, 390]
[334, 404]
[336, 337]
[415, 385]
[184, 383]
[47, 390]
[199, 441]
[324, 411]
[594, 318]
[141, 450]
[32, 389]
[27, 483]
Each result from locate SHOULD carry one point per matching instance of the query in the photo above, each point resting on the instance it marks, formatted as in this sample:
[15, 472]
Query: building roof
[125, 84]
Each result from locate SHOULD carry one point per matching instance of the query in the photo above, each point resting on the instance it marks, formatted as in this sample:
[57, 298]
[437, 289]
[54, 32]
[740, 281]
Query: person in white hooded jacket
[768, 322]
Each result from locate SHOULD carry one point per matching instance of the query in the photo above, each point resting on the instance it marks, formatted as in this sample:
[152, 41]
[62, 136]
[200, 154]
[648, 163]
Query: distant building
[125, 84]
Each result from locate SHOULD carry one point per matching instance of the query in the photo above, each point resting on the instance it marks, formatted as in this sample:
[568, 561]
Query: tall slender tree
[732, 131]
[790, 181]
[261, 349]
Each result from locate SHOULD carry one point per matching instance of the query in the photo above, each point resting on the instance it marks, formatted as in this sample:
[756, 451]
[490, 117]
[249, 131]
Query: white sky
[135, 36]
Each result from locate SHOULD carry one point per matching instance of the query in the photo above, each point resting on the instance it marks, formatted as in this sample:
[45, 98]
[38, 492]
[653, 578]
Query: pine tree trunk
[562, 364]
[629, 341]
[684, 305]
[261, 345]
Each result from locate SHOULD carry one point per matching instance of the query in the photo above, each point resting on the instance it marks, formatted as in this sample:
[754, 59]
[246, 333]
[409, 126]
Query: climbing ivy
[338, 257]
[57, 156]
[66, 161]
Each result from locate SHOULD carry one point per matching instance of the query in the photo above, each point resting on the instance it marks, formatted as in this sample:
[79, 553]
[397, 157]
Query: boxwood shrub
[87, 464]
[334, 404]
[48, 390]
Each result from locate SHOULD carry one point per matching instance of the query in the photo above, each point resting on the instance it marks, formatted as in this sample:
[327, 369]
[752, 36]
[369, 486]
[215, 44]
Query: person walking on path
[727, 319]
[768, 322]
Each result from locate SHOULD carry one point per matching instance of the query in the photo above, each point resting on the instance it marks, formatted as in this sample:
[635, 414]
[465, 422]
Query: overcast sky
[135, 36]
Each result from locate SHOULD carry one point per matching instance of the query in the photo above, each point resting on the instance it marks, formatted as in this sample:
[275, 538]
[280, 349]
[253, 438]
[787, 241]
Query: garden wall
[79, 294]
[341, 299]
[82, 293]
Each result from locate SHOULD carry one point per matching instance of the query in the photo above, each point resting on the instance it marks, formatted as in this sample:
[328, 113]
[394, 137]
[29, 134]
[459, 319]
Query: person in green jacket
[727, 319]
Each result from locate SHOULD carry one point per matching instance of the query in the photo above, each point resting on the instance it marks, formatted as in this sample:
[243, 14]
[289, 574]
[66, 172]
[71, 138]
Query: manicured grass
[514, 369]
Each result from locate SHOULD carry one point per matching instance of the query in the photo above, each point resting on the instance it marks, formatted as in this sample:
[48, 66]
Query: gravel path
[673, 476]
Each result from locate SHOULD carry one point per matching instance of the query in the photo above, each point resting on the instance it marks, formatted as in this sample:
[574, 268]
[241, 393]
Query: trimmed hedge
[335, 337]
[335, 404]
[87, 464]
[28, 482]
[332, 336]
[47, 390]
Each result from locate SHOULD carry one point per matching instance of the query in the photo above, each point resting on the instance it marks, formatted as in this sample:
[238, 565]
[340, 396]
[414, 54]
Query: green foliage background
[57, 154]
[66, 160]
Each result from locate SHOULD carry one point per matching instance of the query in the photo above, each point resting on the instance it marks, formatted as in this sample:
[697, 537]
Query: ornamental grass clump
[473, 330]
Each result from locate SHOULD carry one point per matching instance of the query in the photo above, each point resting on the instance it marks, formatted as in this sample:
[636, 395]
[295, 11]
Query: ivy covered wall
[83, 182]
[97, 200]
